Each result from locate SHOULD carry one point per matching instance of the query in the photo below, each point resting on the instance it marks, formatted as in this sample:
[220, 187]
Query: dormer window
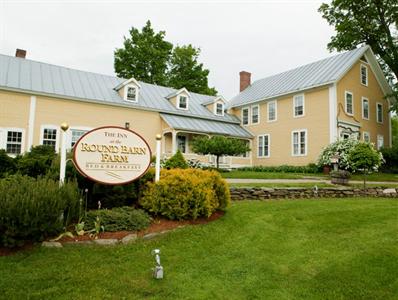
[182, 102]
[219, 109]
[364, 75]
[131, 94]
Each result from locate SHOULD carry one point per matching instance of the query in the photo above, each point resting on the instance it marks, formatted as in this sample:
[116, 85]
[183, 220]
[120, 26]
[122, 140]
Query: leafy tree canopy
[371, 22]
[147, 56]
[219, 146]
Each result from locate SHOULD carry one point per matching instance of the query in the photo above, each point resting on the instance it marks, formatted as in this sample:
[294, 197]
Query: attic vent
[363, 58]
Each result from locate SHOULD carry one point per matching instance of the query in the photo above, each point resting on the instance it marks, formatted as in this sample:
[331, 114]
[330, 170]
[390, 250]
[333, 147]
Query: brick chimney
[245, 78]
[20, 53]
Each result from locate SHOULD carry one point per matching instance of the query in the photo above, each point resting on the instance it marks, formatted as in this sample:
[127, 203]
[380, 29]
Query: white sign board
[112, 155]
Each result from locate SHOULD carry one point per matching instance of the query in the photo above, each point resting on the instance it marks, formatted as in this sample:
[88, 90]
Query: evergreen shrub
[186, 194]
[177, 161]
[310, 168]
[33, 209]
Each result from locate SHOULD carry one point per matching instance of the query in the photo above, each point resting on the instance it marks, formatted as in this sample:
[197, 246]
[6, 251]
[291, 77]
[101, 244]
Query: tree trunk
[218, 161]
[364, 180]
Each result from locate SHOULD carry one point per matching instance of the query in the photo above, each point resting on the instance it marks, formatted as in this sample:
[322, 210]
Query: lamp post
[64, 127]
[157, 164]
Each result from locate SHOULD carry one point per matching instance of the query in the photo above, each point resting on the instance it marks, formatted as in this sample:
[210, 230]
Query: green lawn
[290, 249]
[280, 175]
[311, 185]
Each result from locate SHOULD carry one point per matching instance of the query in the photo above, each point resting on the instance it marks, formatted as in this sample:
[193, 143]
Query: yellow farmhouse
[286, 119]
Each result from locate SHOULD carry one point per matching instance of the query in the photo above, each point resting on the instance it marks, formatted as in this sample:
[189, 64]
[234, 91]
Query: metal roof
[41, 78]
[205, 126]
[315, 74]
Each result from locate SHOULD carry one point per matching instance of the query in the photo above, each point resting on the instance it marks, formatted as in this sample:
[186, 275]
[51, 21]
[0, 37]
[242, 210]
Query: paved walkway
[306, 180]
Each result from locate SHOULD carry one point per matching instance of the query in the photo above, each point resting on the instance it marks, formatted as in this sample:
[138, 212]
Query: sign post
[157, 165]
[62, 169]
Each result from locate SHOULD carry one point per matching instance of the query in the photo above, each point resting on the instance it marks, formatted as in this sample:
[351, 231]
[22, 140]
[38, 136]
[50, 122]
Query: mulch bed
[157, 225]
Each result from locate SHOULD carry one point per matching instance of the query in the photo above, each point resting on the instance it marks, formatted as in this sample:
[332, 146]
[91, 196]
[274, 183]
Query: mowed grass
[281, 175]
[288, 249]
[311, 185]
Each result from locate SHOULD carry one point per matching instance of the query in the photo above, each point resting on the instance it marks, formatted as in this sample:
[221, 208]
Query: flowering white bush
[341, 148]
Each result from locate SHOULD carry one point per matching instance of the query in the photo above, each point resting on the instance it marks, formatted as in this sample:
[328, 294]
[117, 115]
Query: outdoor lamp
[158, 270]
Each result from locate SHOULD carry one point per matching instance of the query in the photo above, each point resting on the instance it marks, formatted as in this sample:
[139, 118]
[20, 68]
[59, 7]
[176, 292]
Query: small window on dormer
[131, 93]
[364, 75]
[183, 102]
[219, 109]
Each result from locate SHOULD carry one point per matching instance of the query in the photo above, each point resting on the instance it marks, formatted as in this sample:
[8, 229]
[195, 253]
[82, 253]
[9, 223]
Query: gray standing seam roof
[318, 73]
[205, 126]
[56, 81]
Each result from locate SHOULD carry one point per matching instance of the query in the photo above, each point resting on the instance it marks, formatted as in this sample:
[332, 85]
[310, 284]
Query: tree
[145, 56]
[365, 158]
[219, 146]
[394, 130]
[371, 22]
[186, 71]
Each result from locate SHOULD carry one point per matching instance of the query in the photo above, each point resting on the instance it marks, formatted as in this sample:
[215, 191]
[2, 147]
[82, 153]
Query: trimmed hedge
[186, 194]
[33, 209]
[310, 168]
[119, 218]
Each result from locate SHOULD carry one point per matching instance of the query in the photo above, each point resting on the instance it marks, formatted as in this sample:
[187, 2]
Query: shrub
[177, 161]
[310, 168]
[7, 164]
[33, 209]
[37, 162]
[186, 194]
[340, 147]
[117, 219]
[390, 156]
[113, 195]
[340, 174]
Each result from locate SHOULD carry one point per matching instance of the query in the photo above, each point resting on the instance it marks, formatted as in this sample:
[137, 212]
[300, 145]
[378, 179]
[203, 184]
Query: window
[366, 137]
[380, 141]
[298, 104]
[245, 116]
[263, 145]
[255, 114]
[299, 143]
[131, 93]
[49, 137]
[75, 136]
[14, 142]
[183, 102]
[364, 75]
[219, 109]
[271, 108]
[349, 104]
[182, 143]
[379, 112]
[345, 135]
[365, 108]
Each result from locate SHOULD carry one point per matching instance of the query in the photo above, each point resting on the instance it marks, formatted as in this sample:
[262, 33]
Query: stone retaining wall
[247, 193]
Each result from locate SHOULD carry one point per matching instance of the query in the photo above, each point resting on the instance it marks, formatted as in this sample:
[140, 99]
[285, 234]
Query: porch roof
[205, 126]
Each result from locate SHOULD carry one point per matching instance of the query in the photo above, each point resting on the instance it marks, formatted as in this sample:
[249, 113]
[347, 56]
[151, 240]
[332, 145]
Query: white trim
[3, 138]
[248, 115]
[51, 126]
[126, 90]
[31, 124]
[333, 136]
[360, 74]
[362, 101]
[178, 102]
[306, 142]
[186, 142]
[126, 82]
[269, 145]
[69, 134]
[363, 136]
[345, 102]
[276, 110]
[294, 105]
[377, 112]
[381, 137]
[258, 114]
[215, 109]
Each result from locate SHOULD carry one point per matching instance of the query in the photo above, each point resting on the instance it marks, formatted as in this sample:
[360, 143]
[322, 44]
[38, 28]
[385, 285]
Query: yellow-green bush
[186, 194]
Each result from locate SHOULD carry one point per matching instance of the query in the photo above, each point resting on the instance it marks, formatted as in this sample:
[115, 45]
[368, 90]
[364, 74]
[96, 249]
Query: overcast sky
[262, 37]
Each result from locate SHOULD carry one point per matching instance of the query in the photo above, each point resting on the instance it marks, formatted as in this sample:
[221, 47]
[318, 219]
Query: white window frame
[248, 115]
[306, 142]
[269, 145]
[345, 102]
[366, 133]
[186, 142]
[258, 114]
[276, 111]
[360, 74]
[69, 134]
[377, 112]
[50, 126]
[136, 93]
[178, 102]
[3, 139]
[363, 115]
[215, 108]
[380, 137]
[294, 106]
